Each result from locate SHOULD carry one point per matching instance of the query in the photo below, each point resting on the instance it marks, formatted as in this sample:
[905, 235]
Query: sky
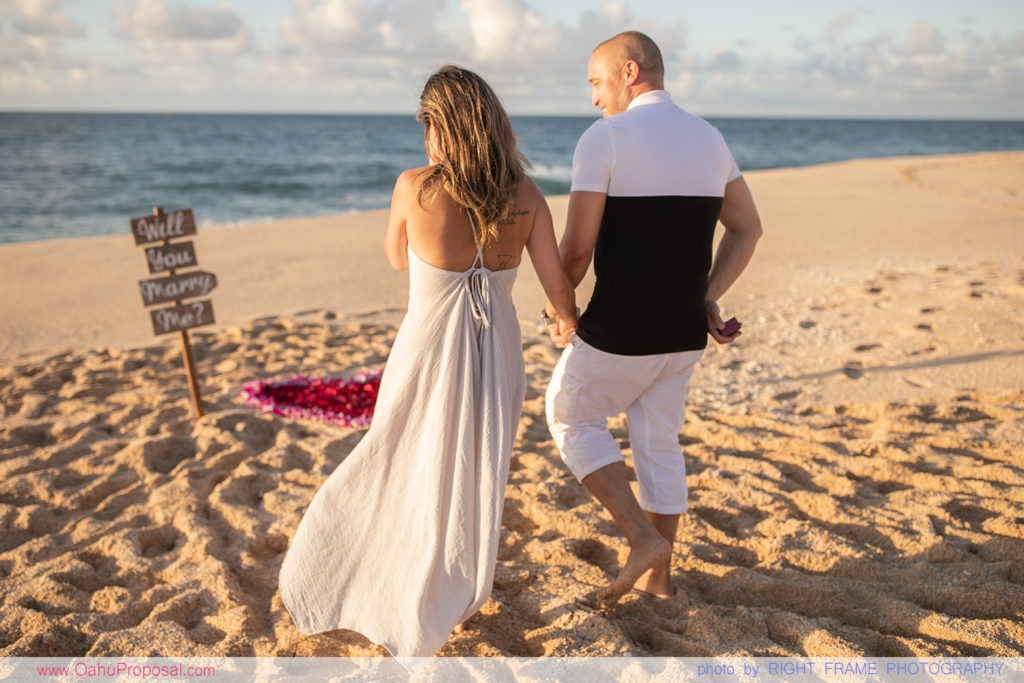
[840, 58]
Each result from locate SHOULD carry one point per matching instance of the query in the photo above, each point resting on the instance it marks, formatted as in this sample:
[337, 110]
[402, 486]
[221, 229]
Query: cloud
[40, 19]
[162, 31]
[32, 56]
[373, 55]
[835, 29]
[390, 47]
[923, 39]
[342, 26]
[917, 71]
[509, 32]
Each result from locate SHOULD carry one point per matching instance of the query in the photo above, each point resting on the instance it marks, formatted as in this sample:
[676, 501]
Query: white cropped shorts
[590, 385]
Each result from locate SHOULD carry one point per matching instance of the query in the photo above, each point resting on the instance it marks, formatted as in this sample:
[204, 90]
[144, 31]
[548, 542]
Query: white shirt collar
[650, 97]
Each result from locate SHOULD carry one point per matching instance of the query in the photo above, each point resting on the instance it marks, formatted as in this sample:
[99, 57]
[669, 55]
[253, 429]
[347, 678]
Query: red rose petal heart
[334, 400]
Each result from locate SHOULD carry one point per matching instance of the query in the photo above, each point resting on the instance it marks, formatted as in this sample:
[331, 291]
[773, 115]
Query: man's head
[623, 67]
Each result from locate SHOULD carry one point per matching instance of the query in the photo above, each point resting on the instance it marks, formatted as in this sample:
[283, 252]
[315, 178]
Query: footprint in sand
[572, 495]
[90, 497]
[158, 540]
[853, 369]
[187, 611]
[973, 516]
[162, 455]
[244, 491]
[594, 552]
[265, 548]
[35, 435]
[786, 395]
[256, 431]
[978, 290]
[860, 348]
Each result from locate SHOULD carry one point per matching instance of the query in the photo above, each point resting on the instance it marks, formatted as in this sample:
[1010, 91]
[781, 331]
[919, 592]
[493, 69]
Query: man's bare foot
[646, 555]
[656, 582]
[459, 628]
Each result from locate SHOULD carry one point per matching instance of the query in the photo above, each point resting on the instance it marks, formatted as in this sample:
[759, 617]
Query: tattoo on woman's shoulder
[516, 215]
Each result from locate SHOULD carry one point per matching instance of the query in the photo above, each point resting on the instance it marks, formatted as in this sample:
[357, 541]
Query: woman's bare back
[440, 233]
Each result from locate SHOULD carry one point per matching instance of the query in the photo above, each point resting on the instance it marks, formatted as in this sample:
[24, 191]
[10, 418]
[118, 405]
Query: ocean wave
[556, 173]
[71, 175]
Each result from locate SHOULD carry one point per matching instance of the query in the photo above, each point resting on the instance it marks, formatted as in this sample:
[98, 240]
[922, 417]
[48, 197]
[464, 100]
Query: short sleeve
[734, 169]
[594, 159]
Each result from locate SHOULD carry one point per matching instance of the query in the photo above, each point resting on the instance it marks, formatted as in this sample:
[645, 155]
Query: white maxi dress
[400, 542]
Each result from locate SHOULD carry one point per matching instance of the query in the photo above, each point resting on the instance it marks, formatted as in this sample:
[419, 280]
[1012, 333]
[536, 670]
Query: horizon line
[796, 117]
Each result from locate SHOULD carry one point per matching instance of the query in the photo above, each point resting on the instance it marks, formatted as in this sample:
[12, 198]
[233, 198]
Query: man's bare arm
[576, 248]
[742, 231]
[581, 227]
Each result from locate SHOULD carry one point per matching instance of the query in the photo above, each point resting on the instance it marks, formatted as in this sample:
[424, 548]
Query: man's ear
[630, 72]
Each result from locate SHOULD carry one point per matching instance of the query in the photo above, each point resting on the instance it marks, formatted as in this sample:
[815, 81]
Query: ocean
[75, 175]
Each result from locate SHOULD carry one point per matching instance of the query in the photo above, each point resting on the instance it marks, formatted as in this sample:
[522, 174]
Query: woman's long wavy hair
[477, 160]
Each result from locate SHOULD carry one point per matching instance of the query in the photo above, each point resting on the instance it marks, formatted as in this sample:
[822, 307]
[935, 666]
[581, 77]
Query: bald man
[650, 183]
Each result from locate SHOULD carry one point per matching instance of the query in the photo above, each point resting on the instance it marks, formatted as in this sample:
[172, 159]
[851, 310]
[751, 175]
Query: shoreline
[245, 223]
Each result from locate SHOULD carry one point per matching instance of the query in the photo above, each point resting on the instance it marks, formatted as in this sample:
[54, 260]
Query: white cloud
[32, 55]
[923, 39]
[918, 71]
[509, 32]
[333, 25]
[835, 29]
[40, 18]
[390, 47]
[373, 55]
[531, 59]
[163, 31]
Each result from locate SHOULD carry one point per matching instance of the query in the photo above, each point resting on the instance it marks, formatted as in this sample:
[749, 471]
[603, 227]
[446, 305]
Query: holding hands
[559, 329]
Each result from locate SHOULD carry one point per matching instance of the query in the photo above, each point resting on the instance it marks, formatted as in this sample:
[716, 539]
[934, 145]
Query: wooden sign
[177, 287]
[182, 317]
[171, 256]
[163, 226]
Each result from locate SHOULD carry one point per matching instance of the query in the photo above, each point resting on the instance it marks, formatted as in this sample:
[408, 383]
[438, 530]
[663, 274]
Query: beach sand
[855, 460]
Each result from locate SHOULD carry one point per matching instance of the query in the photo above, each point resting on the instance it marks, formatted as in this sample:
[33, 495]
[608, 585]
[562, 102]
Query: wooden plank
[161, 290]
[163, 226]
[183, 317]
[171, 256]
[190, 371]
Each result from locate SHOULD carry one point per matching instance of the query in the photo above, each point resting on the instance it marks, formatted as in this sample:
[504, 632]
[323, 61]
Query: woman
[400, 542]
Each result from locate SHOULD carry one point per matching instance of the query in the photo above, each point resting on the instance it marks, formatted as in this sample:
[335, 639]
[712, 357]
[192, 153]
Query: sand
[855, 460]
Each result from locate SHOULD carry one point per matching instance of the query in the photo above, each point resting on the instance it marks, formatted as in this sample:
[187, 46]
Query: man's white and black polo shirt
[664, 171]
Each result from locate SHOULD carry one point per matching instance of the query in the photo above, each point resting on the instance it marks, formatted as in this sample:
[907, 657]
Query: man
[650, 182]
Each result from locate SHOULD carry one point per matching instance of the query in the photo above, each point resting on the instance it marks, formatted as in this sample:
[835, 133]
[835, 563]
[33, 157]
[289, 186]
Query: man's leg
[648, 549]
[655, 420]
[576, 412]
[658, 579]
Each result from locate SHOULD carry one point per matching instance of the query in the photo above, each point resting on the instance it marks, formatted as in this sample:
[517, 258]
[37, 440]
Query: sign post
[175, 287]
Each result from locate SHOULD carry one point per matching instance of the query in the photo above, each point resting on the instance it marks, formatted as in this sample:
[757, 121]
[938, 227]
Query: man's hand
[560, 331]
[716, 325]
[564, 330]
